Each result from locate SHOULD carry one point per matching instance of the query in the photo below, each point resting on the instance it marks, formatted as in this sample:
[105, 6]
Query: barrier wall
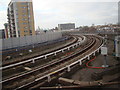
[29, 40]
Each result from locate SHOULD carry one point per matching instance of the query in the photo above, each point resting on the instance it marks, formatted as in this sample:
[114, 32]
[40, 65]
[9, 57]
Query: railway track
[37, 74]
[12, 63]
[36, 58]
[69, 63]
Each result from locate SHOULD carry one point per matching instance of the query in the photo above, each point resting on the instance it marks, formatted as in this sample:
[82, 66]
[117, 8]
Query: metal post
[62, 50]
[68, 68]
[80, 62]
[94, 53]
[68, 48]
[88, 57]
[55, 53]
[76, 45]
[73, 46]
[45, 57]
[33, 61]
[105, 61]
[49, 78]
[104, 52]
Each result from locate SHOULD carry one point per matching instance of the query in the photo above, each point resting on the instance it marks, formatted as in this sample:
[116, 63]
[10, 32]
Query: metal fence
[29, 40]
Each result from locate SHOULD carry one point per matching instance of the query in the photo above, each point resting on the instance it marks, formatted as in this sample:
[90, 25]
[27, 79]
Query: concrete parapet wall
[29, 40]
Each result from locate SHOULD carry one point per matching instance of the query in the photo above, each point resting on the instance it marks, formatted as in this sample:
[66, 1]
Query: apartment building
[20, 18]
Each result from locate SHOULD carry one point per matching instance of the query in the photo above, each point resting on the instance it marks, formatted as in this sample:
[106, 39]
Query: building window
[23, 7]
[14, 36]
[24, 19]
[25, 27]
[17, 16]
[18, 32]
[25, 31]
[28, 8]
[16, 9]
[24, 15]
[30, 31]
[24, 11]
[24, 23]
[18, 26]
[24, 3]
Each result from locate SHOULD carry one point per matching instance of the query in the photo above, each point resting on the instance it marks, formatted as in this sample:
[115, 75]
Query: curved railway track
[27, 60]
[35, 75]
[42, 56]
[22, 64]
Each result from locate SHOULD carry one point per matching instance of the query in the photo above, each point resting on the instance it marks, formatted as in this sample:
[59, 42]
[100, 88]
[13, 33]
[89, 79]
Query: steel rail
[44, 76]
[66, 66]
[43, 66]
[33, 59]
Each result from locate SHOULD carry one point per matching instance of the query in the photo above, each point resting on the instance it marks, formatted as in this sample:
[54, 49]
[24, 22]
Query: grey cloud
[80, 13]
[49, 13]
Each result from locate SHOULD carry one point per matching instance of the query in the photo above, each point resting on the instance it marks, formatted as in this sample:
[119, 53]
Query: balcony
[13, 22]
[8, 21]
[12, 25]
[12, 11]
[8, 18]
[8, 14]
[12, 15]
[12, 18]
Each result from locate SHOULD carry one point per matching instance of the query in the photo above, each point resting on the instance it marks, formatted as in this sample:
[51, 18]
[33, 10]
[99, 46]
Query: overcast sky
[50, 13]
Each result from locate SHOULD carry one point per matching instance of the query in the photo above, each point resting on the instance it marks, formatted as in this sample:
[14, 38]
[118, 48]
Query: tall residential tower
[20, 18]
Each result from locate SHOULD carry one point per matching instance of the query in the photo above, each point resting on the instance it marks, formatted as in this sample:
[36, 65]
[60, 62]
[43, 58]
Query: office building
[66, 26]
[20, 18]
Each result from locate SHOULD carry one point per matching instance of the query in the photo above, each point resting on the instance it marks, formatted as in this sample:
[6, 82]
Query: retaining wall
[29, 40]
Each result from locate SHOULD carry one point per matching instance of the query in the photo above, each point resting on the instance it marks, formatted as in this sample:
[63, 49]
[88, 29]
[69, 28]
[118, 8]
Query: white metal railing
[46, 55]
[65, 67]
[80, 60]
